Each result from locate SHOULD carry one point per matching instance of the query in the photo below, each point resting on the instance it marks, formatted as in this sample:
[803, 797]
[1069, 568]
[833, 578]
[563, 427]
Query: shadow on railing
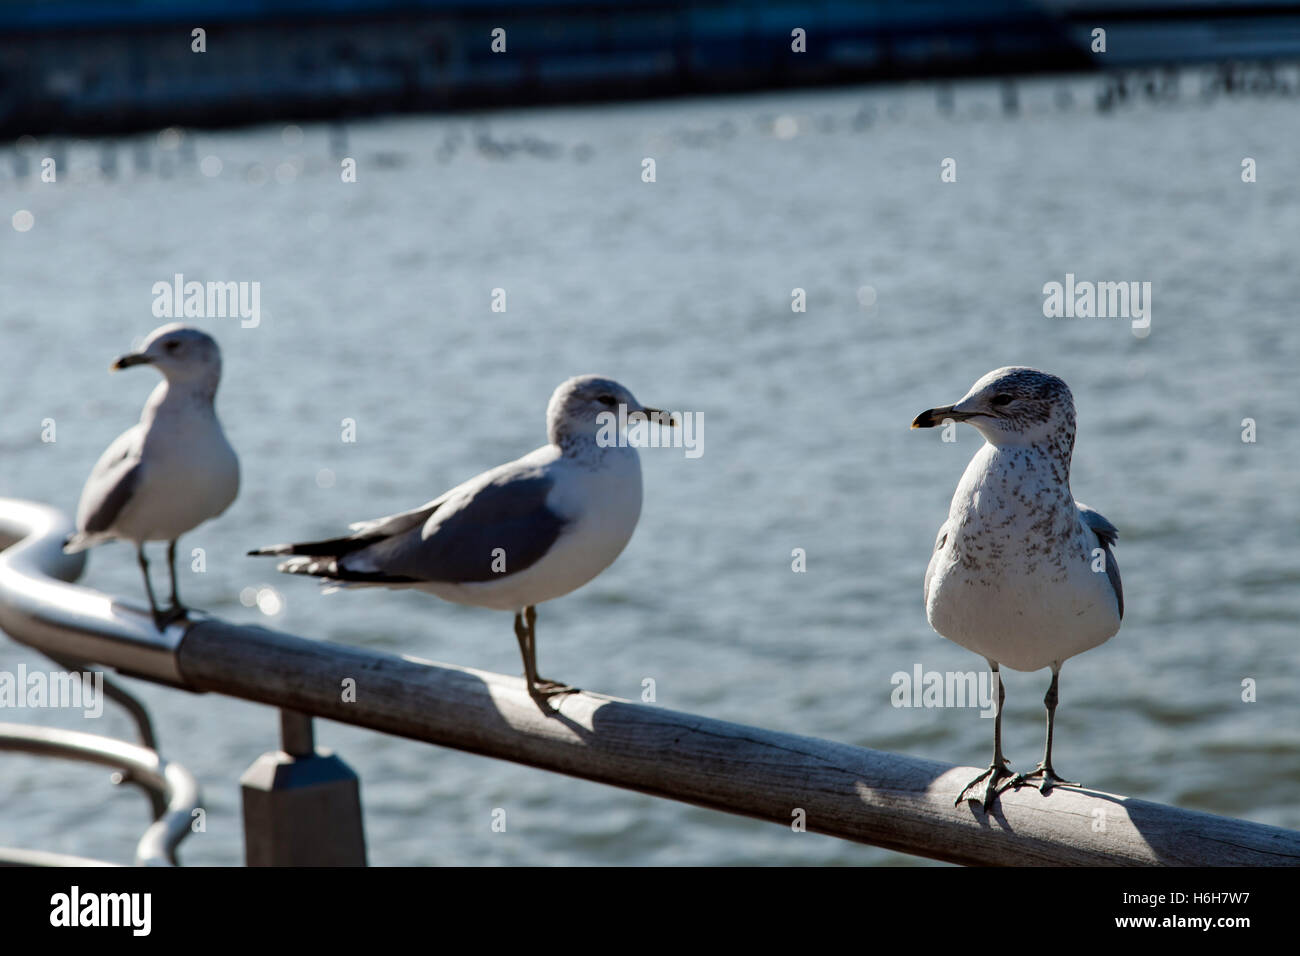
[303, 807]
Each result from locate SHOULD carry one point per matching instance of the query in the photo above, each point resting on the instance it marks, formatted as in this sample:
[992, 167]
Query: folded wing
[492, 526]
[111, 483]
[1107, 534]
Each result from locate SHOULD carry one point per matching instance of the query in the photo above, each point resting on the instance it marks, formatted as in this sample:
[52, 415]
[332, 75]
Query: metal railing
[170, 782]
[889, 800]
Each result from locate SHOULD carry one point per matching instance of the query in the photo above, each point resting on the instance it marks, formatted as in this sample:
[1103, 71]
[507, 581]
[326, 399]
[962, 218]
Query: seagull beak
[126, 361]
[659, 416]
[937, 416]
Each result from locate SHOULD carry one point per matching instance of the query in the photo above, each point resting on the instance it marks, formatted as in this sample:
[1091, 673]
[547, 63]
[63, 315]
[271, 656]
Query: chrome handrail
[37, 606]
[177, 786]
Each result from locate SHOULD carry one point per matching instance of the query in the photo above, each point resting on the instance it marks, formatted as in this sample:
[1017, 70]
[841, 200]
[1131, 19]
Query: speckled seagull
[525, 532]
[1021, 572]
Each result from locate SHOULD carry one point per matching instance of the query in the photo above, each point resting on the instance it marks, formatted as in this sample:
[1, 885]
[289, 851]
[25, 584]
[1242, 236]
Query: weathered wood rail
[889, 800]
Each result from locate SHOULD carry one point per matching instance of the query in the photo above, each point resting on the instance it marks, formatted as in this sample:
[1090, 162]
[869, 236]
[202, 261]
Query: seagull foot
[162, 619]
[1044, 777]
[986, 794]
[543, 689]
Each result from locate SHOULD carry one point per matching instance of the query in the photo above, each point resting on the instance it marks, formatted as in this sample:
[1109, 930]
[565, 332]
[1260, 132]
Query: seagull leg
[178, 609]
[538, 686]
[162, 618]
[521, 635]
[1046, 775]
[148, 585]
[998, 769]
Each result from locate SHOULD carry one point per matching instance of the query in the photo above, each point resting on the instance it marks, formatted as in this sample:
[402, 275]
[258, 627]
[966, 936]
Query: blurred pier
[77, 66]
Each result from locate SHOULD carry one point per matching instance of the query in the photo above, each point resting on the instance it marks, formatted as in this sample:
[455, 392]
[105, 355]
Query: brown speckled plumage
[1011, 577]
[1014, 575]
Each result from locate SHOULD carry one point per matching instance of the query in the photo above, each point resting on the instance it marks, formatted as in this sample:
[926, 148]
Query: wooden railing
[889, 800]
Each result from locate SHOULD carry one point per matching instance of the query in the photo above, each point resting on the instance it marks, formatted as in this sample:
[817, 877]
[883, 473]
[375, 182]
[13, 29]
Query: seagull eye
[1001, 399]
[172, 346]
[609, 400]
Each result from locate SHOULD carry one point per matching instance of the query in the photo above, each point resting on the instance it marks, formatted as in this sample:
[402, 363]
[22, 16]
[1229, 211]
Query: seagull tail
[332, 548]
[271, 549]
[332, 574]
[326, 567]
[78, 541]
[322, 559]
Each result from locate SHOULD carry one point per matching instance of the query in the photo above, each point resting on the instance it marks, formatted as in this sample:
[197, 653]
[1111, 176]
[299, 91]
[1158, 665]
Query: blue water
[376, 303]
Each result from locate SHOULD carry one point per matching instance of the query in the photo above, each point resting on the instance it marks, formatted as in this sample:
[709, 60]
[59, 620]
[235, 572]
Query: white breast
[1013, 578]
[188, 474]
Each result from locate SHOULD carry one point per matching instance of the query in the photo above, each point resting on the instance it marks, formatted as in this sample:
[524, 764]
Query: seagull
[170, 472]
[525, 532]
[1021, 573]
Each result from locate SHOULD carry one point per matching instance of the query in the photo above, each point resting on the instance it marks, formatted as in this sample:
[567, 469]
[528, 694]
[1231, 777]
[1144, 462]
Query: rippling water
[376, 306]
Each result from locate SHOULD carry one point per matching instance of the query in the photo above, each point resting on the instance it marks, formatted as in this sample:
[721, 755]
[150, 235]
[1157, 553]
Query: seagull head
[1012, 406]
[576, 406]
[182, 353]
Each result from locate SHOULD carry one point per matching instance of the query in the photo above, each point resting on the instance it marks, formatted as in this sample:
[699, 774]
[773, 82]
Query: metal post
[302, 807]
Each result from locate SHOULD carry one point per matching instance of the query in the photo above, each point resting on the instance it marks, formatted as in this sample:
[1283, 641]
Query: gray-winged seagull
[174, 469]
[1021, 573]
[520, 534]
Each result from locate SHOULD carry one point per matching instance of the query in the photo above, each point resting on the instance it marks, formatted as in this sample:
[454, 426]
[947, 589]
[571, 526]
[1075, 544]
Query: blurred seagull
[1021, 573]
[520, 534]
[172, 471]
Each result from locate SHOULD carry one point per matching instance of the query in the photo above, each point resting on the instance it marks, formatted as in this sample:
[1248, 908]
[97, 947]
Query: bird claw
[993, 786]
[543, 689]
[163, 619]
[1047, 780]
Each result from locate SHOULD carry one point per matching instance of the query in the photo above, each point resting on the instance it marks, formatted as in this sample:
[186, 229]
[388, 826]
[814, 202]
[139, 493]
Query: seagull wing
[364, 533]
[500, 517]
[929, 568]
[109, 487]
[489, 527]
[398, 523]
[1107, 534]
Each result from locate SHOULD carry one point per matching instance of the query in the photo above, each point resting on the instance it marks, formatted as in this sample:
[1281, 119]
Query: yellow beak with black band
[126, 361]
[933, 417]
